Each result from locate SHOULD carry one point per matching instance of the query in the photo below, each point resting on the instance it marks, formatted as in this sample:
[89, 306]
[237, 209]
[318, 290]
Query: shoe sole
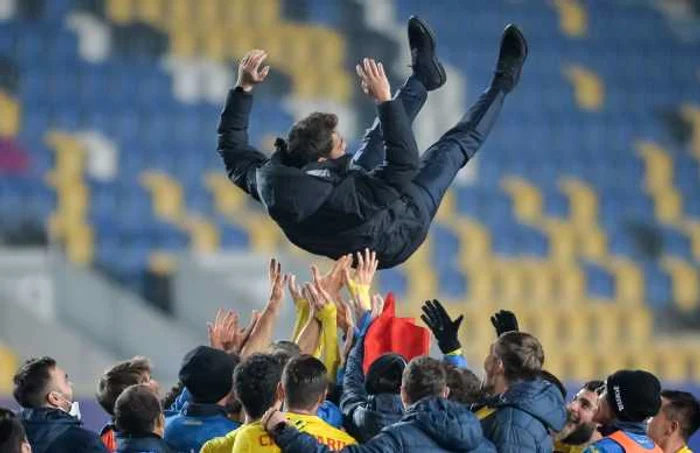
[433, 44]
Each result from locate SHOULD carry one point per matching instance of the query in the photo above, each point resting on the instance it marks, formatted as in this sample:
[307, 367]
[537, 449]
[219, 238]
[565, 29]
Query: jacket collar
[332, 169]
[151, 443]
[48, 415]
[629, 427]
[203, 410]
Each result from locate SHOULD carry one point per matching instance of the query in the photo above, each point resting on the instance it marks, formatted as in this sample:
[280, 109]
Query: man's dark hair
[551, 378]
[385, 374]
[424, 377]
[285, 350]
[594, 386]
[311, 139]
[522, 355]
[31, 382]
[118, 378]
[137, 410]
[304, 382]
[12, 433]
[683, 408]
[255, 381]
[465, 386]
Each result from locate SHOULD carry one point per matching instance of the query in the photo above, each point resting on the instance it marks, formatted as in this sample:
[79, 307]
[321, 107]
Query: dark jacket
[432, 425]
[365, 415]
[55, 431]
[524, 416]
[150, 444]
[195, 425]
[333, 208]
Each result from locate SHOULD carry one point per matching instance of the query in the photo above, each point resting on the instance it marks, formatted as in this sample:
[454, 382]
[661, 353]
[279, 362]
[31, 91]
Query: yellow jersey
[560, 447]
[253, 438]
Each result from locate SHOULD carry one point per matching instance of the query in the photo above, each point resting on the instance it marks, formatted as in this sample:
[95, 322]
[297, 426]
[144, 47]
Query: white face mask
[75, 410]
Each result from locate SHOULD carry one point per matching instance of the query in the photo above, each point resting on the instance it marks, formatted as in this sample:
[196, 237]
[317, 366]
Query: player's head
[40, 382]
[677, 420]
[385, 373]
[424, 377]
[138, 413]
[13, 438]
[314, 139]
[464, 385]
[629, 396]
[580, 412]
[304, 383]
[255, 381]
[513, 356]
[119, 377]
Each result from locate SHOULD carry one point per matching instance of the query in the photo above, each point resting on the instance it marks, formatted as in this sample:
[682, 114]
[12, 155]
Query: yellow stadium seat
[589, 90]
[512, 283]
[571, 284]
[120, 11]
[695, 365]
[79, 244]
[691, 113]
[215, 47]
[581, 364]
[692, 229]
[183, 45]
[554, 363]
[575, 327]
[541, 282]
[610, 361]
[206, 16]
[228, 199]
[673, 364]
[659, 166]
[668, 205]
[204, 234]
[446, 212]
[638, 328]
[235, 13]
[478, 334]
[527, 199]
[151, 12]
[475, 240]
[177, 14]
[685, 283]
[481, 283]
[573, 18]
[11, 115]
[543, 324]
[583, 201]
[265, 12]
[562, 241]
[629, 280]
[8, 365]
[592, 242]
[642, 358]
[330, 49]
[606, 323]
[162, 263]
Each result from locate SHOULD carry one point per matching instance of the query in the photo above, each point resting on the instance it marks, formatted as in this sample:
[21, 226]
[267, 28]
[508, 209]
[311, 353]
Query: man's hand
[439, 322]
[294, 289]
[249, 72]
[333, 281]
[504, 321]
[223, 331]
[278, 281]
[273, 417]
[373, 80]
[377, 306]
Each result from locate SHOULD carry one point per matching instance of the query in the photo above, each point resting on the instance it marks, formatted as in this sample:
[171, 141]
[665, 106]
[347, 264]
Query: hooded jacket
[195, 425]
[432, 425]
[150, 444]
[330, 208]
[55, 431]
[520, 420]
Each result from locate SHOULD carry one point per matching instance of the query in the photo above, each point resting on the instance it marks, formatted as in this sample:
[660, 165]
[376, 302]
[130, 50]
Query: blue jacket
[430, 426]
[524, 416]
[55, 431]
[151, 444]
[636, 431]
[365, 415]
[195, 425]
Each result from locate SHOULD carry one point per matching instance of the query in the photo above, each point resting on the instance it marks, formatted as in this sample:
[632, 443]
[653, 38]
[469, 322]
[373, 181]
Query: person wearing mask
[13, 438]
[50, 417]
[523, 408]
[629, 399]
[207, 374]
[580, 430]
[113, 382]
[431, 423]
[138, 416]
[678, 419]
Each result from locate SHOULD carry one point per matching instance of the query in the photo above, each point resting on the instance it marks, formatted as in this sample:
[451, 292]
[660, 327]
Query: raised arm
[402, 159]
[240, 158]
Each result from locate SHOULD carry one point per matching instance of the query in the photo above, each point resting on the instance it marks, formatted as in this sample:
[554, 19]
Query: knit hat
[634, 395]
[384, 374]
[207, 373]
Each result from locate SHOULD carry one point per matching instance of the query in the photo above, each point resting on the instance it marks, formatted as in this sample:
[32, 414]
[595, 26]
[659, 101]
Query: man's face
[63, 386]
[151, 383]
[660, 427]
[339, 146]
[492, 369]
[583, 407]
[604, 414]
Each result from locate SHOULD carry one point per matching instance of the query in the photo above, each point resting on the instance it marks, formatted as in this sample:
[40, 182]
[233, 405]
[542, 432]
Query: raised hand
[249, 72]
[333, 281]
[373, 80]
[278, 281]
[443, 327]
[223, 331]
[377, 306]
[504, 321]
[294, 290]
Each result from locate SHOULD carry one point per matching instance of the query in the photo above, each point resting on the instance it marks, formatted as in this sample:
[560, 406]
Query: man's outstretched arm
[241, 159]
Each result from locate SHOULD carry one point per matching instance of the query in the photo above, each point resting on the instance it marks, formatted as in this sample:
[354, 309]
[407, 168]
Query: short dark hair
[424, 377]
[385, 374]
[31, 382]
[464, 385]
[683, 408]
[521, 354]
[285, 350]
[255, 381]
[137, 410]
[594, 386]
[12, 433]
[304, 382]
[311, 138]
[118, 378]
[551, 378]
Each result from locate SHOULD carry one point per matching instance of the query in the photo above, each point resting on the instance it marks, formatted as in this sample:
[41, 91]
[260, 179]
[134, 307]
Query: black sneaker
[511, 58]
[424, 62]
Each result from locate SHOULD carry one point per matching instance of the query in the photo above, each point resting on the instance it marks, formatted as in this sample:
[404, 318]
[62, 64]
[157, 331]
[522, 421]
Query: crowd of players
[245, 392]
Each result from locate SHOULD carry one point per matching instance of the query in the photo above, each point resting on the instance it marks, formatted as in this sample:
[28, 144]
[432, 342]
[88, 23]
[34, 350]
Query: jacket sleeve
[455, 358]
[508, 437]
[354, 394]
[241, 159]
[290, 440]
[402, 159]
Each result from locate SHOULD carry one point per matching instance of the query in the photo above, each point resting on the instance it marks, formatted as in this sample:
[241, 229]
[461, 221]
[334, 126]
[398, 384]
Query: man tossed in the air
[386, 195]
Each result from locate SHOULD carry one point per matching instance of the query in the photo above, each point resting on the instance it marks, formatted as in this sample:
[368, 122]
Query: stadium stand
[582, 198]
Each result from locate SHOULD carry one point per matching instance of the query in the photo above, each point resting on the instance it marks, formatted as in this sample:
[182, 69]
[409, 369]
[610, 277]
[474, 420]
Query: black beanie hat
[634, 395]
[207, 373]
[384, 375]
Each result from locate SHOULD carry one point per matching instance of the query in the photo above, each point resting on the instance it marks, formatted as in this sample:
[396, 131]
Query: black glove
[444, 329]
[504, 321]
